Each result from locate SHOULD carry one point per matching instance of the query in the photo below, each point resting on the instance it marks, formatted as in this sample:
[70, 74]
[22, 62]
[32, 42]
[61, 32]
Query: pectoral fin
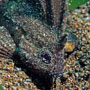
[7, 45]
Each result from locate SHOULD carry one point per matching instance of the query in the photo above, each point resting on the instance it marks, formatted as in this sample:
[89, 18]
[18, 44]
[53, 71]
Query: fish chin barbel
[42, 45]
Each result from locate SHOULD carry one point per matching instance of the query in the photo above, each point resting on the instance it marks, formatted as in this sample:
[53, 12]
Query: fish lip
[57, 70]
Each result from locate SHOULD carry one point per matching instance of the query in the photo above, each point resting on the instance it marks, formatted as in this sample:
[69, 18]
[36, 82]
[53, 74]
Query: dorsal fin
[58, 11]
[54, 11]
[46, 6]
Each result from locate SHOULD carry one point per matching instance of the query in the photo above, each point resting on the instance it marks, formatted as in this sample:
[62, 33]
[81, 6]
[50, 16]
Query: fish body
[2, 2]
[41, 43]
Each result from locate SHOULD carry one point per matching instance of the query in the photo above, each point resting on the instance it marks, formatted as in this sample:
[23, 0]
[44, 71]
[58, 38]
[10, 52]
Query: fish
[38, 41]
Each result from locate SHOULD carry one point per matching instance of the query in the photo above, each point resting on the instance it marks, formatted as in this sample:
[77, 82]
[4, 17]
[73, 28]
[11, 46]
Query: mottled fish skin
[2, 2]
[41, 44]
[41, 40]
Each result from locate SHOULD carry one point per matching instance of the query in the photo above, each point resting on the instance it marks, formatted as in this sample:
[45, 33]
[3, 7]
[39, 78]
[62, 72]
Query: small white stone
[26, 83]
[76, 74]
[28, 80]
[0, 82]
[14, 88]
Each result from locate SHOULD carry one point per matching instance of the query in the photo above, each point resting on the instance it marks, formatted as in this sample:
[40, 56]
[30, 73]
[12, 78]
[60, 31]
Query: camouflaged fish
[37, 31]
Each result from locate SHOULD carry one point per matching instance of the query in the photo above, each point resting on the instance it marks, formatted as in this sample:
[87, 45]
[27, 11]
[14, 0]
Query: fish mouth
[57, 70]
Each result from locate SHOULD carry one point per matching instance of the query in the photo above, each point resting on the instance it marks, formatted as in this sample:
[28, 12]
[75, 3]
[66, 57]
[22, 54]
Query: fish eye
[45, 57]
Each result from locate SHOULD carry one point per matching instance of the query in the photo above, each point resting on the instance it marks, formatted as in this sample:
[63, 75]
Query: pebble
[0, 82]
[69, 47]
[19, 69]
[26, 83]
[17, 78]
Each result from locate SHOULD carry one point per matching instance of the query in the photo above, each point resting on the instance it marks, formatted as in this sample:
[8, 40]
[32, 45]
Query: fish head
[42, 49]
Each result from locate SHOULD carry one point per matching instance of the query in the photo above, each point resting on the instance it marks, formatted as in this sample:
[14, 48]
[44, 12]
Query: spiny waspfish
[41, 43]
